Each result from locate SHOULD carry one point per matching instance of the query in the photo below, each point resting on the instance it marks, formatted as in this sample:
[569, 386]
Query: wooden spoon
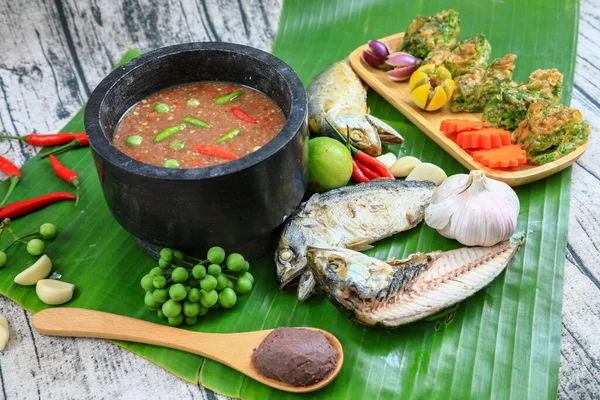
[231, 349]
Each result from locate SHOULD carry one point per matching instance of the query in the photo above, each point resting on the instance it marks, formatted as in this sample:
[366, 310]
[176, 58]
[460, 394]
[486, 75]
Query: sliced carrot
[444, 126]
[460, 125]
[484, 138]
[501, 157]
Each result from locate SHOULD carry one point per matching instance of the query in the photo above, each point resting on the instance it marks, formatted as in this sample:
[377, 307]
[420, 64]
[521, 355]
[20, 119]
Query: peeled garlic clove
[427, 172]
[54, 292]
[38, 270]
[4, 332]
[387, 159]
[404, 165]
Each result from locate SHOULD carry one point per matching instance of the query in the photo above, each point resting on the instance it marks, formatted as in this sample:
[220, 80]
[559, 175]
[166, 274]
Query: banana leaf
[503, 342]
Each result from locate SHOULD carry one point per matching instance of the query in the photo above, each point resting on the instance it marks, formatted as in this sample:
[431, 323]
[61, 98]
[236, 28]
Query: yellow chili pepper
[430, 87]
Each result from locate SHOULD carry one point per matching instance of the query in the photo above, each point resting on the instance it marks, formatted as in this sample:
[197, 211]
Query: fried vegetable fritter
[426, 33]
[508, 109]
[464, 57]
[550, 131]
[474, 89]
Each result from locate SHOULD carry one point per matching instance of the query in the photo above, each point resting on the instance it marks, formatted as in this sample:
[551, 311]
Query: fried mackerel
[474, 89]
[466, 56]
[508, 109]
[397, 292]
[339, 96]
[550, 131]
[351, 217]
[426, 33]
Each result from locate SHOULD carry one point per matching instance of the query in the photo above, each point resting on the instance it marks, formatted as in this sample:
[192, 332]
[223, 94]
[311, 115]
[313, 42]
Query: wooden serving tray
[429, 122]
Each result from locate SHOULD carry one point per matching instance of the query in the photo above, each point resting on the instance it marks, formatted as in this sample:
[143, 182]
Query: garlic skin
[473, 209]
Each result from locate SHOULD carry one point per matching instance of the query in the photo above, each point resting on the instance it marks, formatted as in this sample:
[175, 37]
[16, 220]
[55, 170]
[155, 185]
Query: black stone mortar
[237, 205]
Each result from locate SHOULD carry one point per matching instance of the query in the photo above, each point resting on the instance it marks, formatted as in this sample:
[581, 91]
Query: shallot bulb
[376, 53]
[404, 65]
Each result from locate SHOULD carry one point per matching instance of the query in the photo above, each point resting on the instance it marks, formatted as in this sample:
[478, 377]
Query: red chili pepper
[65, 174]
[215, 151]
[374, 165]
[369, 173]
[242, 115]
[80, 140]
[50, 139]
[23, 207]
[357, 173]
[14, 175]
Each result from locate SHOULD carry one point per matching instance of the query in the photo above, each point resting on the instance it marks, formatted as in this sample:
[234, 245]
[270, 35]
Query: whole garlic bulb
[473, 209]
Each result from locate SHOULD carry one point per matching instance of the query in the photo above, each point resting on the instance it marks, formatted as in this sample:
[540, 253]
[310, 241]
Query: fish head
[362, 135]
[347, 274]
[306, 286]
[290, 261]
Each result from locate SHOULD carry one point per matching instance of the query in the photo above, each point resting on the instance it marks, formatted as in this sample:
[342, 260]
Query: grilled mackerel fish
[338, 95]
[352, 217]
[397, 292]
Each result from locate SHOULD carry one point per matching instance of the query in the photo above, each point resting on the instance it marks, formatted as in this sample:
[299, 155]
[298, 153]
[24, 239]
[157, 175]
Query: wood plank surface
[54, 52]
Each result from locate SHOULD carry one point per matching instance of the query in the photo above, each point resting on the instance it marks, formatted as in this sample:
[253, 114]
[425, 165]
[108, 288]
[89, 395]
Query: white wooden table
[52, 55]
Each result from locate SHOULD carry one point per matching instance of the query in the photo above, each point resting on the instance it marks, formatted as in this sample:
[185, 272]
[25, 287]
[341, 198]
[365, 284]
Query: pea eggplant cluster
[34, 241]
[183, 288]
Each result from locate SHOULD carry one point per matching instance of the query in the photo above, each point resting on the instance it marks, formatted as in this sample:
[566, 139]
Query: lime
[329, 164]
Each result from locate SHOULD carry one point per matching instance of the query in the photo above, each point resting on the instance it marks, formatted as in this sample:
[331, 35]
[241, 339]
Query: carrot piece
[460, 125]
[501, 157]
[484, 138]
[444, 126]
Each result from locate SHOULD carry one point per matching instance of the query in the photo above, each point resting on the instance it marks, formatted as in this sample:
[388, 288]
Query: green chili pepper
[228, 97]
[195, 122]
[169, 132]
[193, 102]
[229, 135]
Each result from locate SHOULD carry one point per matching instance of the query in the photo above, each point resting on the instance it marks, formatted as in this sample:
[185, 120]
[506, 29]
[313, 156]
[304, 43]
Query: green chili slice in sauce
[228, 97]
[195, 122]
[229, 135]
[170, 131]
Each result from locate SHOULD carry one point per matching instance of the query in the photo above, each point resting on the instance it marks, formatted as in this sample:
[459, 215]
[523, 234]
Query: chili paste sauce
[198, 125]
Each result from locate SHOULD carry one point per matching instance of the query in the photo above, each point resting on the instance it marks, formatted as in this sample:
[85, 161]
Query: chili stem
[23, 138]
[348, 138]
[77, 194]
[13, 183]
[352, 149]
[62, 149]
